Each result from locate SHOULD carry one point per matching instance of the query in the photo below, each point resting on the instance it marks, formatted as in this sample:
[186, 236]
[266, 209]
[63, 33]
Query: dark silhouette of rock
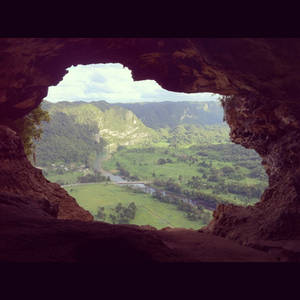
[272, 129]
[23, 185]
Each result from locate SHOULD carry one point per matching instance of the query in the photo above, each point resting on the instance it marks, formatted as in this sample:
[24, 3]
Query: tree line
[121, 215]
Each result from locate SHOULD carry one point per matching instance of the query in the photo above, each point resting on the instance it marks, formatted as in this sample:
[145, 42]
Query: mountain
[64, 140]
[78, 129]
[171, 114]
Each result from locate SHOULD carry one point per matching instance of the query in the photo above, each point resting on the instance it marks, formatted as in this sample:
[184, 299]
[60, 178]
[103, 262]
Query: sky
[114, 84]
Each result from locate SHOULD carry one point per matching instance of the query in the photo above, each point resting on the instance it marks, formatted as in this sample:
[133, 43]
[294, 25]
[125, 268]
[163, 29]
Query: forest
[208, 174]
[183, 154]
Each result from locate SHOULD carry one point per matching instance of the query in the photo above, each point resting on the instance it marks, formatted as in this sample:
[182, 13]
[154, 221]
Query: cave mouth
[212, 169]
[261, 74]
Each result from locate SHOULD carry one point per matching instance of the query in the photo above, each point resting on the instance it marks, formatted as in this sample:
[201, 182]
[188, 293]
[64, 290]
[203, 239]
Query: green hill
[78, 130]
[171, 114]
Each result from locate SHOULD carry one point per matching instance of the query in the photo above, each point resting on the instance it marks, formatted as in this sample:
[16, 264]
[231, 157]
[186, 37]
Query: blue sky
[113, 83]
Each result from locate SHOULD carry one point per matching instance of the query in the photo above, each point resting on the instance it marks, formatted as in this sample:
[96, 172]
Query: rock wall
[268, 67]
[262, 74]
[272, 129]
[25, 190]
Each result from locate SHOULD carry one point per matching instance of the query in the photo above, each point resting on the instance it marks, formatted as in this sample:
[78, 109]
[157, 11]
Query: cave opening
[167, 154]
[263, 76]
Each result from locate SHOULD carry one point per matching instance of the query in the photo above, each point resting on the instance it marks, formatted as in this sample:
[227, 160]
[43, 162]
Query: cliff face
[272, 129]
[264, 114]
[25, 190]
[266, 67]
[40, 222]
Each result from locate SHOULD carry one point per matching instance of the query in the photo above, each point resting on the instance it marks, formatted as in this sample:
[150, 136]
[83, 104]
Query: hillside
[171, 114]
[78, 130]
[64, 140]
[192, 158]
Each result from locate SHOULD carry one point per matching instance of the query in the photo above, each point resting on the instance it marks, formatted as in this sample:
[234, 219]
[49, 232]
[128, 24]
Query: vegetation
[192, 213]
[67, 142]
[187, 156]
[158, 115]
[105, 197]
[92, 178]
[187, 135]
[209, 174]
[29, 128]
[79, 131]
[123, 214]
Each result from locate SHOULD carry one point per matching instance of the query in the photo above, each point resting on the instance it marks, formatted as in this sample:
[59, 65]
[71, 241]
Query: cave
[40, 222]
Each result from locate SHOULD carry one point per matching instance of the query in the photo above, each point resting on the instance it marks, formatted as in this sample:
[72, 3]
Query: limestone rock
[263, 75]
[274, 134]
[21, 182]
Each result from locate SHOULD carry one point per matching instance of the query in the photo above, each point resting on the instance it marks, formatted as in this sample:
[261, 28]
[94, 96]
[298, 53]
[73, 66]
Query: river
[141, 186]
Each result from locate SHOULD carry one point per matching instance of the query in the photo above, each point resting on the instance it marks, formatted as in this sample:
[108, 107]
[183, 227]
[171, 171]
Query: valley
[185, 156]
[149, 211]
[208, 174]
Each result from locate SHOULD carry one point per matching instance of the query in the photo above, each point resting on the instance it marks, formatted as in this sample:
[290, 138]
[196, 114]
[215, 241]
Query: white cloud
[113, 83]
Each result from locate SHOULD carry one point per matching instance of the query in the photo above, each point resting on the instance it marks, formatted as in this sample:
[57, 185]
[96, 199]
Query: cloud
[113, 83]
[98, 78]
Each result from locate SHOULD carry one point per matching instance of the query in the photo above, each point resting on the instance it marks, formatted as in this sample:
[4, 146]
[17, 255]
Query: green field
[66, 178]
[185, 150]
[144, 164]
[229, 164]
[149, 210]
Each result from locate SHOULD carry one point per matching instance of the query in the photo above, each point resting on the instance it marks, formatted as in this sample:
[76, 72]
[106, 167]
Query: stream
[141, 186]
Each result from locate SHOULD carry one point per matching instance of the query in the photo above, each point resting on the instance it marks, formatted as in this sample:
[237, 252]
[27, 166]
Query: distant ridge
[171, 114]
[161, 114]
[77, 130]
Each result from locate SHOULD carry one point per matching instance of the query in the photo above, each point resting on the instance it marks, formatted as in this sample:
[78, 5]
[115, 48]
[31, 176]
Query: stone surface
[38, 238]
[23, 185]
[272, 129]
[226, 66]
[264, 114]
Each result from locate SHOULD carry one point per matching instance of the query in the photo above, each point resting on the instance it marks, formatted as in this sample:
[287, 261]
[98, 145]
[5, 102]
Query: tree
[29, 128]
[100, 214]
[131, 210]
[158, 195]
[161, 161]
[113, 218]
[132, 206]
[227, 170]
[180, 178]
[118, 207]
[123, 214]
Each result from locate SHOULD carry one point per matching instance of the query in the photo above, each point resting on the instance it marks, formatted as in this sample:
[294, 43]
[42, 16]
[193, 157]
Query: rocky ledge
[24, 185]
[273, 131]
[27, 234]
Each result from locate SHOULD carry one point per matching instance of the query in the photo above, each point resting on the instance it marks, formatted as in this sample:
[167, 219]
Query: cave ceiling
[228, 66]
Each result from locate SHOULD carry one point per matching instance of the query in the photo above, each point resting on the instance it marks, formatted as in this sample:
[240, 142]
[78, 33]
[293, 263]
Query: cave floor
[51, 240]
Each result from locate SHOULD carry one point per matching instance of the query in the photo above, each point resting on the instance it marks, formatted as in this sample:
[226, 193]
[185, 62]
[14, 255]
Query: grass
[143, 164]
[149, 210]
[67, 177]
